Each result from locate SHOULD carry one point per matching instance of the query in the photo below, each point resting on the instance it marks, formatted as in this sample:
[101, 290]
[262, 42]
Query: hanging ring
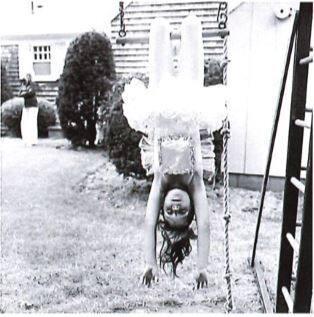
[122, 33]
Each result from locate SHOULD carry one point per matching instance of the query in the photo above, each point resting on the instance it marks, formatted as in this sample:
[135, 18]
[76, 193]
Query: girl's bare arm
[202, 220]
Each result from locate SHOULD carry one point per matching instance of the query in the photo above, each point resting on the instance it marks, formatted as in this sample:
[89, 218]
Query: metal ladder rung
[299, 224]
[306, 60]
[288, 298]
[299, 185]
[293, 242]
[308, 109]
[302, 123]
[303, 168]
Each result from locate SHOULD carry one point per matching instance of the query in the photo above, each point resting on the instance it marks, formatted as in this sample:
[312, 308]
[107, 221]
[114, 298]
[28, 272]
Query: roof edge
[22, 37]
[236, 6]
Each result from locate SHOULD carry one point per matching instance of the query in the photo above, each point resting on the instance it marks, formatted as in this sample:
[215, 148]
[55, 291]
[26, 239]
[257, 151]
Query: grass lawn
[72, 239]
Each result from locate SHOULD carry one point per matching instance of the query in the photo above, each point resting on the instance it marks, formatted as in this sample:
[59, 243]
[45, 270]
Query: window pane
[41, 53]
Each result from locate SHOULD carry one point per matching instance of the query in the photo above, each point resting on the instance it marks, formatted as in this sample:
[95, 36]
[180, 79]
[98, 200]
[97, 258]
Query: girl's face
[177, 207]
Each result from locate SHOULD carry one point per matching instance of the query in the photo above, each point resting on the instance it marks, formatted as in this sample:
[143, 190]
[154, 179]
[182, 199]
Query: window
[42, 60]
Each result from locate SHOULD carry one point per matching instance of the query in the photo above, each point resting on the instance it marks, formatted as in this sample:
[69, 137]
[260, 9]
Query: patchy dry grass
[72, 240]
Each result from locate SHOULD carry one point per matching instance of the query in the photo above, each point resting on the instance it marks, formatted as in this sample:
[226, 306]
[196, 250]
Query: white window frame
[57, 55]
[43, 51]
[42, 54]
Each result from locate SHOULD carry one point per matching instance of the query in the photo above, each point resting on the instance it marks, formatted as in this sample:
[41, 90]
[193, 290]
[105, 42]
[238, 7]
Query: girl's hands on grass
[150, 274]
[201, 279]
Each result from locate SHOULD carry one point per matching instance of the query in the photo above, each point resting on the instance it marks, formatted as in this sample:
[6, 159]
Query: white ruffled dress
[170, 116]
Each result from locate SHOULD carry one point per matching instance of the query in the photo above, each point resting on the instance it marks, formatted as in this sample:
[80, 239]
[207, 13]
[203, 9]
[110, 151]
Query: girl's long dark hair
[176, 243]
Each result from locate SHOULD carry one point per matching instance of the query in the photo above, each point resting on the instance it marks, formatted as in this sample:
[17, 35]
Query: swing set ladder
[301, 301]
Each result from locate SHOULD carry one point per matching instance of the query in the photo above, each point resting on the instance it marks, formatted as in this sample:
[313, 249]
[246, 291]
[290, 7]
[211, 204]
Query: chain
[122, 32]
[222, 17]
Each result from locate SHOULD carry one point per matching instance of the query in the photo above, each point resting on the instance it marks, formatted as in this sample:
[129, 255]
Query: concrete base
[254, 182]
[55, 132]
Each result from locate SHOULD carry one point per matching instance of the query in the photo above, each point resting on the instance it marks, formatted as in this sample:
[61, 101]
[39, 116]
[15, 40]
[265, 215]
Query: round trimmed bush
[213, 72]
[11, 114]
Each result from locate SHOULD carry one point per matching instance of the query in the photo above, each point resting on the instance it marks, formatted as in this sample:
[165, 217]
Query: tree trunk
[91, 132]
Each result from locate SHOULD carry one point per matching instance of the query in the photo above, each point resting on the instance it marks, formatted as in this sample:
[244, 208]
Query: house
[133, 57]
[257, 47]
[41, 55]
[37, 44]
[259, 35]
[40, 46]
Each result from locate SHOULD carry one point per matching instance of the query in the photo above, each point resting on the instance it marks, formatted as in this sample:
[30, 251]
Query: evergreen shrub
[213, 75]
[84, 86]
[11, 115]
[121, 141]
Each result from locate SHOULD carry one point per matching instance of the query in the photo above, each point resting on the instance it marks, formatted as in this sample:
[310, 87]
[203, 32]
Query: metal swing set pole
[273, 136]
[173, 36]
[122, 39]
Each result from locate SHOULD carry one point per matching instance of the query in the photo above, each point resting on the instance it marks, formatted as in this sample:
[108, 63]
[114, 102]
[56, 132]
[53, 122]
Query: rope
[227, 215]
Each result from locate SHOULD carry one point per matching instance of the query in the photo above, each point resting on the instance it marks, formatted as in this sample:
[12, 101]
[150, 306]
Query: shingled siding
[48, 90]
[133, 57]
[10, 58]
